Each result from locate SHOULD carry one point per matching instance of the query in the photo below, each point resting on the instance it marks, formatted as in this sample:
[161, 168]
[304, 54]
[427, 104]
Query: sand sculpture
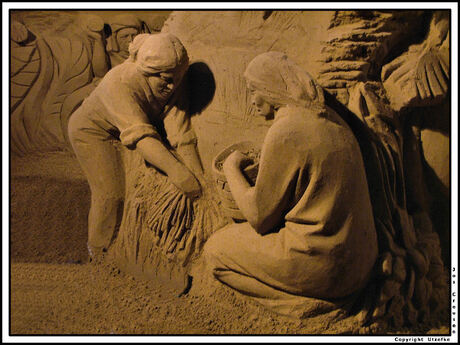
[129, 99]
[123, 30]
[334, 216]
[309, 213]
[389, 105]
[56, 70]
[51, 76]
[407, 281]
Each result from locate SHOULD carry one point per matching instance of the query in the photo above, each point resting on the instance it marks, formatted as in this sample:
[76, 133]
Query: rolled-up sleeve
[127, 111]
[132, 135]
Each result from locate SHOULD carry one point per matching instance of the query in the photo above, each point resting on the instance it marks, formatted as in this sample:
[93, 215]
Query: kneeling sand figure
[129, 105]
[310, 229]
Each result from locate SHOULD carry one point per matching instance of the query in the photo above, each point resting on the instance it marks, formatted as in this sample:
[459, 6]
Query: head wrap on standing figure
[156, 53]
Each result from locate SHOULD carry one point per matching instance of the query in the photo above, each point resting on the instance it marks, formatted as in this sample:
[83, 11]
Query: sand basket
[252, 150]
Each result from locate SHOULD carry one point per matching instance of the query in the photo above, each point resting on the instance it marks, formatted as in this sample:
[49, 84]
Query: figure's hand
[432, 74]
[237, 160]
[186, 182]
[419, 77]
[364, 101]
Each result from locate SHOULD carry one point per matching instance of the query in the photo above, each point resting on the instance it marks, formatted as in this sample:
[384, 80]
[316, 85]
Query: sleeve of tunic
[279, 168]
[177, 121]
[128, 112]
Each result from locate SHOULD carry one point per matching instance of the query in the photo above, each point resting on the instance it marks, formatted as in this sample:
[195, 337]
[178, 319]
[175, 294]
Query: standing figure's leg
[101, 163]
[107, 194]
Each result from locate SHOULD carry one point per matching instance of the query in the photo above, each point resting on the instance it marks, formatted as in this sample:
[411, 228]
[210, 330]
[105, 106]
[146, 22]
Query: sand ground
[55, 291]
[86, 299]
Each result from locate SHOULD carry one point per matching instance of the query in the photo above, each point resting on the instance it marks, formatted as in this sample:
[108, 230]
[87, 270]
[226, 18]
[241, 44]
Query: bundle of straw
[161, 225]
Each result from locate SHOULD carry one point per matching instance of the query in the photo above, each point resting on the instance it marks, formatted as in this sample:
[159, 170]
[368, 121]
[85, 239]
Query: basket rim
[221, 153]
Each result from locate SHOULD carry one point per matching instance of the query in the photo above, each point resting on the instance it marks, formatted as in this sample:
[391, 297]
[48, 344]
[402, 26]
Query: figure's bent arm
[262, 219]
[154, 152]
[242, 192]
[191, 158]
[265, 204]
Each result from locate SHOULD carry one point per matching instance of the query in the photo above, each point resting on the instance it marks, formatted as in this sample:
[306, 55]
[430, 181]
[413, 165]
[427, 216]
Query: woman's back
[328, 219]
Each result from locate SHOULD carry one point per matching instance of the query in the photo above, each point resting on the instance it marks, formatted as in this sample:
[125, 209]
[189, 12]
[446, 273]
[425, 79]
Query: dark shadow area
[30, 38]
[267, 14]
[365, 139]
[202, 87]
[371, 151]
[437, 117]
[107, 30]
[440, 210]
[439, 203]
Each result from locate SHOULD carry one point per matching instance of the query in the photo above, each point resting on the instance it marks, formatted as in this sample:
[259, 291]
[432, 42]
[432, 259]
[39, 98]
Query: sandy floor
[55, 291]
[88, 299]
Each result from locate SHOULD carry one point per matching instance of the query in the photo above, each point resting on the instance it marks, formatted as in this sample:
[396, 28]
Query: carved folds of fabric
[408, 274]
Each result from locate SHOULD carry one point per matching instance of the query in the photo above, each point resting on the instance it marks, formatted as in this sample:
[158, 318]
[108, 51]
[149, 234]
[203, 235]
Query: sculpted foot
[96, 254]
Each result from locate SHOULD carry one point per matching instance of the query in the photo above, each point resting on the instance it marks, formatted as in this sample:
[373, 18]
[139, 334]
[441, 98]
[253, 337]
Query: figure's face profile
[125, 37]
[163, 84]
[262, 107]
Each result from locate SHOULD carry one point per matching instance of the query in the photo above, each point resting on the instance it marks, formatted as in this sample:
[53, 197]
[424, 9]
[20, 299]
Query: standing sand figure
[310, 228]
[129, 105]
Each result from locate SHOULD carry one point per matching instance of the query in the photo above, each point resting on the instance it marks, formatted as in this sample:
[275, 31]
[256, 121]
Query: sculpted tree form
[416, 84]
[386, 101]
[51, 75]
[55, 67]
